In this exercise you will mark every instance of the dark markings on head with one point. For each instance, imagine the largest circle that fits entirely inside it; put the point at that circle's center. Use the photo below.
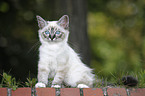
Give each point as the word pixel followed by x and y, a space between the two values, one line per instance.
pixel 52 30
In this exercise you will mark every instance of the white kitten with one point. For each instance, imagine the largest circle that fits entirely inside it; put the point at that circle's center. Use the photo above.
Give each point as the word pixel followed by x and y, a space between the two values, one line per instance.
pixel 57 59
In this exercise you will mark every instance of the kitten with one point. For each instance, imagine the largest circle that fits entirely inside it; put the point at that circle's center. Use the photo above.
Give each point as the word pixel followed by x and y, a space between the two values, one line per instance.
pixel 57 59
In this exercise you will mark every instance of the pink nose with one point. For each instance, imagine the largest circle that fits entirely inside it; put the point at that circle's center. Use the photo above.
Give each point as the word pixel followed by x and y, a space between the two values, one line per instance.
pixel 52 36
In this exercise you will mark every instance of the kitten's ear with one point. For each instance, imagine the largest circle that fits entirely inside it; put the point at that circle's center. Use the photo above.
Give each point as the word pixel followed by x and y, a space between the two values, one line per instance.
pixel 41 22
pixel 64 22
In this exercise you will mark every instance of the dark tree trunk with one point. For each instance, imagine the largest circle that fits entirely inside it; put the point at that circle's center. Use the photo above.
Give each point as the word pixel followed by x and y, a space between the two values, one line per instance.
pixel 77 11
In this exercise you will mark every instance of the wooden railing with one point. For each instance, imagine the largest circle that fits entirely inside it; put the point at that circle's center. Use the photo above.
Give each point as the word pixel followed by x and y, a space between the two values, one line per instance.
pixel 72 92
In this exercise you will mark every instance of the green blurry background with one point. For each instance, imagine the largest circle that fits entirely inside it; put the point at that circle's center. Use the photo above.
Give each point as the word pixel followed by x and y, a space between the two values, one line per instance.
pixel 108 34
pixel 117 35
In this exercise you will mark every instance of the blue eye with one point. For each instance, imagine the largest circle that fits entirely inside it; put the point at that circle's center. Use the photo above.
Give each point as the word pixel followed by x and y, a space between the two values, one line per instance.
pixel 46 32
pixel 57 32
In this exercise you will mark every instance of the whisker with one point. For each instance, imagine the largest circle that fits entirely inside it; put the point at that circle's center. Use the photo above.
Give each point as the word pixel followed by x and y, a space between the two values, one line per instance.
pixel 35 47
pixel 74 46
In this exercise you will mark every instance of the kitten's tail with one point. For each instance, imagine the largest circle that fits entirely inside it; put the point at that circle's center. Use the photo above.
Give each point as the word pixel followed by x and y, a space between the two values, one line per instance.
pixel 129 81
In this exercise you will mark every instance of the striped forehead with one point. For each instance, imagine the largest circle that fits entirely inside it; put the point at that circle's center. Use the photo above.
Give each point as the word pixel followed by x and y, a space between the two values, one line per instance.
pixel 52 29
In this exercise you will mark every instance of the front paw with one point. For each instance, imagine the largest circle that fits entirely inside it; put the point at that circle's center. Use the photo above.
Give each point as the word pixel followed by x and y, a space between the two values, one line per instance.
pixel 40 85
pixel 55 86
pixel 82 86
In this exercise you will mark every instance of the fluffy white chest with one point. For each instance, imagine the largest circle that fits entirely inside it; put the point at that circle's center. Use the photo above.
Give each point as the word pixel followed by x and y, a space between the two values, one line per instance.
pixel 53 57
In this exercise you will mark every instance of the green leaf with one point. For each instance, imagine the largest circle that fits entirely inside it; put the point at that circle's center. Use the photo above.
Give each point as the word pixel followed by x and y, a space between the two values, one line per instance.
pixel 14 88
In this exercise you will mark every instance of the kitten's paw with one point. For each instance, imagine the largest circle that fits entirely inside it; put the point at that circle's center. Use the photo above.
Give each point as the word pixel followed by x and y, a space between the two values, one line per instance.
pixel 55 86
pixel 39 85
pixel 82 86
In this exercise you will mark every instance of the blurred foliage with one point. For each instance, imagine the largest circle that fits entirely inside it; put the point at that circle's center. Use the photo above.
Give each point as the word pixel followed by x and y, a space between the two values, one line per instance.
pixel 117 36
pixel 141 78
pixel 9 81
pixel 31 81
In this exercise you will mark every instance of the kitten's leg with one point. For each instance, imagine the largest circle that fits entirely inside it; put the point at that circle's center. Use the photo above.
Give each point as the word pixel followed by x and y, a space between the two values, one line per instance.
pixel 58 80
pixel 43 73
pixel 59 77
pixel 80 77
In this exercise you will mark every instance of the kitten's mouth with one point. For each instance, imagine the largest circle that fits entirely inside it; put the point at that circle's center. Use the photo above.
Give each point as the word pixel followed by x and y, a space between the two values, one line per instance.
pixel 51 39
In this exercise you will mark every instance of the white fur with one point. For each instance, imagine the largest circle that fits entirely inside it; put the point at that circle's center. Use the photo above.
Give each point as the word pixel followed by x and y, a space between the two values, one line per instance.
pixel 59 61
pixel 40 85
pixel 55 86
pixel 82 86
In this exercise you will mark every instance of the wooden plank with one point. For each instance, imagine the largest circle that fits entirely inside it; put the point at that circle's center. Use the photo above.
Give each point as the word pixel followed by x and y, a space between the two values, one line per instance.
pixel 92 92
pixel 3 91
pixel 137 92
pixel 116 92
pixel 69 92
pixel 22 92
pixel 45 91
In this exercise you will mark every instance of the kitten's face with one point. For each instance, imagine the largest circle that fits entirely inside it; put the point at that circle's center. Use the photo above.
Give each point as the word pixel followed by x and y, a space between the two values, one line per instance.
pixel 53 31
pixel 53 34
